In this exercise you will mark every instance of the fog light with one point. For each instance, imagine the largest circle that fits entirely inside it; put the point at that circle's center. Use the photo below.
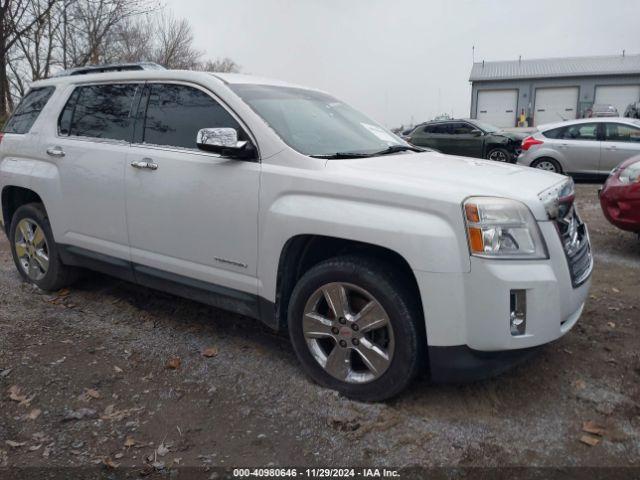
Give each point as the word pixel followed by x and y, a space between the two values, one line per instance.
pixel 518 316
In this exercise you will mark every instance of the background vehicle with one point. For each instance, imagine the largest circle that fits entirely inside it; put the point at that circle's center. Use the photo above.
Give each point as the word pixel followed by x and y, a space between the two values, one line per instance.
pixel 286 205
pixel 620 196
pixel 602 110
pixel 588 148
pixel 468 137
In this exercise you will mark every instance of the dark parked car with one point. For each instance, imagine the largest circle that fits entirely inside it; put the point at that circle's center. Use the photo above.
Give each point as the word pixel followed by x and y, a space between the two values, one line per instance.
pixel 469 138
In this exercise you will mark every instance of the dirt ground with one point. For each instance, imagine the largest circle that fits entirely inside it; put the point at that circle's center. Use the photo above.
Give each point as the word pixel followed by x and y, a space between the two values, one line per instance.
pixel 84 381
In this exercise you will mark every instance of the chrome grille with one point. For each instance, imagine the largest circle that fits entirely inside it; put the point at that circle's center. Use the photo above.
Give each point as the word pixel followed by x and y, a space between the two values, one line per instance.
pixel 575 242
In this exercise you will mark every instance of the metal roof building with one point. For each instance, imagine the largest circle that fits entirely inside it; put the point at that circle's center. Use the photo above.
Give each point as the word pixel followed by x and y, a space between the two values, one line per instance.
pixel 552 89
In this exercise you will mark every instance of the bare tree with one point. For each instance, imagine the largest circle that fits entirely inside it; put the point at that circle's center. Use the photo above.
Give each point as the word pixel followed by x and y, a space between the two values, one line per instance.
pixel 173 45
pixel 225 65
pixel 17 19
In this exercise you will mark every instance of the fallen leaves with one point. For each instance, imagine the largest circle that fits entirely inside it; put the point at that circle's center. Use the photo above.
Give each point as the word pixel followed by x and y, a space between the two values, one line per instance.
pixel 129 442
pixel 14 444
pixel 173 363
pixel 162 450
pixel 89 394
pixel 590 440
pixel 594 433
pixel 210 352
pixel 594 428
pixel 107 462
pixel 16 395
pixel 117 369
pixel 110 413
pixel 33 414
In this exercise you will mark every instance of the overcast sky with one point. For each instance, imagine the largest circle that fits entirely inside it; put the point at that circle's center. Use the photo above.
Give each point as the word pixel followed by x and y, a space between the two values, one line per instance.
pixel 399 60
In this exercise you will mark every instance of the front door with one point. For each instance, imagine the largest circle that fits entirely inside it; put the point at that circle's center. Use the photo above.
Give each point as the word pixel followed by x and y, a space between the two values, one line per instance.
pixel 621 141
pixel 193 215
pixel 465 139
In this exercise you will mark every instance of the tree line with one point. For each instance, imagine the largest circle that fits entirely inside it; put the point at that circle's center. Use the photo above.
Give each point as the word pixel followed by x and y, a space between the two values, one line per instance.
pixel 40 37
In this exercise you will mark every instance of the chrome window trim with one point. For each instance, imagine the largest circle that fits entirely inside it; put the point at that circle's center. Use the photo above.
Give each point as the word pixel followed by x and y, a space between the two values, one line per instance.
pixel 166 148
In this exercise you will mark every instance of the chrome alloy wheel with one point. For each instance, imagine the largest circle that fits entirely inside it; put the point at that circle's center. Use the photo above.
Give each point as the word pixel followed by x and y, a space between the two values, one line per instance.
pixel 32 249
pixel 547 165
pixel 348 333
pixel 498 156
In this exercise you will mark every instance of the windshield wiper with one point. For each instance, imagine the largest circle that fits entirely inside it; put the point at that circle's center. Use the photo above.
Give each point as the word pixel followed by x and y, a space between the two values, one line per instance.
pixel 339 155
pixel 397 149
pixel 389 150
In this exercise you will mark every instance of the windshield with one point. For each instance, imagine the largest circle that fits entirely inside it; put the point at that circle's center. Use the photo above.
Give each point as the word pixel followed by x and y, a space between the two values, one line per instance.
pixel 486 127
pixel 314 123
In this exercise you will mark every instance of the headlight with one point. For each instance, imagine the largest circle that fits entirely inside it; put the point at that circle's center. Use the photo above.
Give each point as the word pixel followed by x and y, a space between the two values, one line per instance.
pixel 502 228
pixel 630 174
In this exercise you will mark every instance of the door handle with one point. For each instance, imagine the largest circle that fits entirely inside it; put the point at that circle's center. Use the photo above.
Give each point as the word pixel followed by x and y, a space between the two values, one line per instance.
pixel 145 163
pixel 57 152
pixel 612 147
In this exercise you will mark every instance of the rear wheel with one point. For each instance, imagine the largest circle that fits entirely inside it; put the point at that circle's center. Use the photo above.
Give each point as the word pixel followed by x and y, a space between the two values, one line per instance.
pixel 34 250
pixel 499 155
pixel 548 164
pixel 356 329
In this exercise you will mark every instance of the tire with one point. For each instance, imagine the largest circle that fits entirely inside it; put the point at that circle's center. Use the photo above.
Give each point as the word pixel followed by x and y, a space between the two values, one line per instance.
pixel 548 164
pixel 402 339
pixel 29 256
pixel 499 155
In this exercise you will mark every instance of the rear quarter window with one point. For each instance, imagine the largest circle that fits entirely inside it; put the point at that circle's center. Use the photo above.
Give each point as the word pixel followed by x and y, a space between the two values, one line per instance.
pixel 28 110
pixel 555 132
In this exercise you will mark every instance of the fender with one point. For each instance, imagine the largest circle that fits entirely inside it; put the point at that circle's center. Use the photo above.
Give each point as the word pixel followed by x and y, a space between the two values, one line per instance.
pixel 427 241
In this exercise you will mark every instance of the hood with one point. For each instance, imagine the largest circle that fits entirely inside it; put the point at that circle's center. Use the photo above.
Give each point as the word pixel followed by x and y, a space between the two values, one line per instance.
pixel 449 178
pixel 515 136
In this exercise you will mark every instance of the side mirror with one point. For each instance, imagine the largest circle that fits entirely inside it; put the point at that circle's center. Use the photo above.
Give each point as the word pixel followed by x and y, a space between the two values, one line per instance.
pixel 476 133
pixel 221 140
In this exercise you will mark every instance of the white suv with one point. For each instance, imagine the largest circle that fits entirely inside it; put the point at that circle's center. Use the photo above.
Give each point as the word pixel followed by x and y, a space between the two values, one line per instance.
pixel 284 204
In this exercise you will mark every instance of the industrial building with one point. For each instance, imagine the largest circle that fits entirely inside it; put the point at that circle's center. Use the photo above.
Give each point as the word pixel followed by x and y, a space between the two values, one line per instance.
pixel 552 89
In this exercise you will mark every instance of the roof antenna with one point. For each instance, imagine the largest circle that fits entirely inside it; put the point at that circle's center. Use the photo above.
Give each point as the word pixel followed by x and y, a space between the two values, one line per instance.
pixel 482 63
pixel 519 58
pixel 473 53
pixel 624 52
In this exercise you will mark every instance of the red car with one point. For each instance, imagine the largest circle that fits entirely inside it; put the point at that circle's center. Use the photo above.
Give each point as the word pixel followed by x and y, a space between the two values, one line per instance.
pixel 620 196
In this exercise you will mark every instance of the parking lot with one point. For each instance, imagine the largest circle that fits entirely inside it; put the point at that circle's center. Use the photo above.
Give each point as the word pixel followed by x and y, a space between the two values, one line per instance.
pixel 115 374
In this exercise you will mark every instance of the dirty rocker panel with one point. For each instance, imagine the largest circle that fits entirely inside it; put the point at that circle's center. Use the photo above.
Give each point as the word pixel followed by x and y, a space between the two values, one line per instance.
pixel 217 296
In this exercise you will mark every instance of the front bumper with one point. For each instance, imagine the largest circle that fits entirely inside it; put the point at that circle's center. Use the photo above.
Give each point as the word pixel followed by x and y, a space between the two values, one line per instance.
pixel 461 364
pixel 473 309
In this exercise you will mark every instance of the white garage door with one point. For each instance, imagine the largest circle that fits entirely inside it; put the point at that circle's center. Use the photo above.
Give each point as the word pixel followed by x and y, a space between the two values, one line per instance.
pixel 498 107
pixel 619 96
pixel 555 104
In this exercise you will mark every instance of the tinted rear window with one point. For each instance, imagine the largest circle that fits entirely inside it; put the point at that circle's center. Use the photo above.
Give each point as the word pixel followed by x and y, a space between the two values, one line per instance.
pixel 27 112
pixel 99 111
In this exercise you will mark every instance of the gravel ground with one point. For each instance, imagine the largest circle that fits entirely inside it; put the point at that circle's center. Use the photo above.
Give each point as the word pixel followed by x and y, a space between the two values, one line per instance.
pixel 84 381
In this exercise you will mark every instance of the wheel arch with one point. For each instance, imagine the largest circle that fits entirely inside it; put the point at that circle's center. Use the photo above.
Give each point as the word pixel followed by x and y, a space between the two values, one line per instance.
pixel 12 198
pixel 302 252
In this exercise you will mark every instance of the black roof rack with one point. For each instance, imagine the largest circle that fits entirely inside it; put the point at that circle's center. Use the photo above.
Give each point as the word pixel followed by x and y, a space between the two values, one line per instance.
pixel 114 67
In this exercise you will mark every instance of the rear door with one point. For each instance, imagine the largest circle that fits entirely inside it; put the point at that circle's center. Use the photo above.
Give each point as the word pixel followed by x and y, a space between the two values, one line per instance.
pixel 621 141
pixel 89 149
pixel 428 136
pixel 193 218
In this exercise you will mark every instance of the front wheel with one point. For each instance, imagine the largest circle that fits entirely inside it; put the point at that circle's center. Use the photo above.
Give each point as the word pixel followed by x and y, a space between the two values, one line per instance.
pixel 499 155
pixel 356 328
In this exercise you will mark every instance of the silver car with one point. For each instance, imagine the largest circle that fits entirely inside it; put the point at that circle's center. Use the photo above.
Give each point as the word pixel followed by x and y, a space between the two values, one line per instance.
pixel 589 147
